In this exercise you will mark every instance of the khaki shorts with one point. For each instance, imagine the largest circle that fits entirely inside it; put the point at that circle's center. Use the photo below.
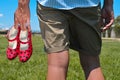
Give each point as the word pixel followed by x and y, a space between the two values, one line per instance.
pixel 78 29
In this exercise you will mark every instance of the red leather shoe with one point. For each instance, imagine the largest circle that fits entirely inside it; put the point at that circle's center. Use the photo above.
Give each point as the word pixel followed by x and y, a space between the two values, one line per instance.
pixel 24 55
pixel 12 53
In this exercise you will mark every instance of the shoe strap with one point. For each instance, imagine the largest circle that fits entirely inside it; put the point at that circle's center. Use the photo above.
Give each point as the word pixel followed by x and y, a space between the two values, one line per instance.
pixel 10 40
pixel 28 39
pixel 24 42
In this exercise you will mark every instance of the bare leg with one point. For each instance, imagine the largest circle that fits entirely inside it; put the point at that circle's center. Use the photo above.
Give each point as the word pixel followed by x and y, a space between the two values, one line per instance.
pixel 91 67
pixel 58 65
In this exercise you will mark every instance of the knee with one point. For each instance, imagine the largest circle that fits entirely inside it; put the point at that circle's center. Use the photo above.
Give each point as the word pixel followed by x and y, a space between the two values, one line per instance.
pixel 59 60
pixel 58 64
pixel 91 67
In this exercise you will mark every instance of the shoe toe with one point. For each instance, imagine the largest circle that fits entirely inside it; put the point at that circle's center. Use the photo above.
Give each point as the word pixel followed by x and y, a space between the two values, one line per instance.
pixel 11 54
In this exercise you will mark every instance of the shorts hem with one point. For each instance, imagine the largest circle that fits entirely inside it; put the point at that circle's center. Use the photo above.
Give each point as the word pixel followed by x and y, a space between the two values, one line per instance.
pixel 56 49
pixel 87 53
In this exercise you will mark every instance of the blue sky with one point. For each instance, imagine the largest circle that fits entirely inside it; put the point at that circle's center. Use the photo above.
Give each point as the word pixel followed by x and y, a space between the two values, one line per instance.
pixel 8 7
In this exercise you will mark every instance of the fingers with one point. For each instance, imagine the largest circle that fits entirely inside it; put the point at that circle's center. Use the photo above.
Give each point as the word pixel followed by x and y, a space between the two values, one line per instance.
pixel 106 23
pixel 16 22
pixel 28 25
pixel 29 28
pixel 23 22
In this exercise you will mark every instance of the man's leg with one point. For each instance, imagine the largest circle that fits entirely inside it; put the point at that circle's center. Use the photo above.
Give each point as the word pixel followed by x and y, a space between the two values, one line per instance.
pixel 91 67
pixel 58 65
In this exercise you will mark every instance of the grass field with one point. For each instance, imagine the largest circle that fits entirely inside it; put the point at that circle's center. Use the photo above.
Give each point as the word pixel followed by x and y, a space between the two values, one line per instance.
pixel 35 68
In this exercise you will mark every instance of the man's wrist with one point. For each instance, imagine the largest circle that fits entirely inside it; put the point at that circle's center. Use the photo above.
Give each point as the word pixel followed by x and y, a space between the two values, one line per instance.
pixel 108 3
pixel 23 4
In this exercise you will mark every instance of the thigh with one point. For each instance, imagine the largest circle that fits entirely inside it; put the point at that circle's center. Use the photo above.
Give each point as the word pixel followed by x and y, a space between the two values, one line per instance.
pixel 89 62
pixel 54 29
pixel 85 35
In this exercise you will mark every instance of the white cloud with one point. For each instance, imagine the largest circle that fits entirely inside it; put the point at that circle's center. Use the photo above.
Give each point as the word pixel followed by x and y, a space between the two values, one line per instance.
pixel 1 15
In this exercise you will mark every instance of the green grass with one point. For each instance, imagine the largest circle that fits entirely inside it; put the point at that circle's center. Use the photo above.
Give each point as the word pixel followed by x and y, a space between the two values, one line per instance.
pixel 36 67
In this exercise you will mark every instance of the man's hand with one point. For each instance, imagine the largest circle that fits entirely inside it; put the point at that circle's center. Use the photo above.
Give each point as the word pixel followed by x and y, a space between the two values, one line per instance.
pixel 22 15
pixel 107 15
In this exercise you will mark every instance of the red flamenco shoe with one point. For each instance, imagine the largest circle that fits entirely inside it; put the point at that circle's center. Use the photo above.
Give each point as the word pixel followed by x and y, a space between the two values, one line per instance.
pixel 24 55
pixel 12 53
